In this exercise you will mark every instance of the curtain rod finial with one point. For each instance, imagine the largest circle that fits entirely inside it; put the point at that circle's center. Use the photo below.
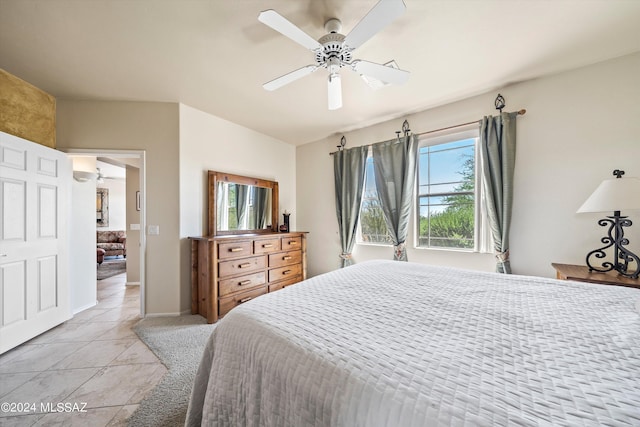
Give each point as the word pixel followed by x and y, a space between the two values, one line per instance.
pixel 500 103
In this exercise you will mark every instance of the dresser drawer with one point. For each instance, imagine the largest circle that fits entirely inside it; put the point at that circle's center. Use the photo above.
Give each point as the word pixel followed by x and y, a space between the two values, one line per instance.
pixel 284 283
pixel 284 272
pixel 285 258
pixel 264 246
pixel 234 249
pixel 241 266
pixel 291 243
pixel 241 283
pixel 235 300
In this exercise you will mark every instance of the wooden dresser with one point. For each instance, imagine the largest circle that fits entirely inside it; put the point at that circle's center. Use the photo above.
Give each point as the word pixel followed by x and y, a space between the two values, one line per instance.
pixel 229 270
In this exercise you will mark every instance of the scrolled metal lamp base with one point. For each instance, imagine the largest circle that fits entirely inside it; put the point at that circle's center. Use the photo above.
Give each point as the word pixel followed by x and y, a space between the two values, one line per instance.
pixel 615 238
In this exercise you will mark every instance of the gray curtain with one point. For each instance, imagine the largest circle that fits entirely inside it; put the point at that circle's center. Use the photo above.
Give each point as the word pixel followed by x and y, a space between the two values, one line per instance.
pixel 260 202
pixel 498 151
pixel 242 199
pixel 394 165
pixel 348 170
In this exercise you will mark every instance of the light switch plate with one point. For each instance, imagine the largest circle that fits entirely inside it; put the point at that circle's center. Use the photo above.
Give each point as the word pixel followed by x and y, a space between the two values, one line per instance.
pixel 134 226
pixel 153 230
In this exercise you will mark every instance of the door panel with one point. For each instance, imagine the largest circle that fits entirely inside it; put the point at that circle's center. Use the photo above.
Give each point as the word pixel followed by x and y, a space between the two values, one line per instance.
pixel 47 283
pixel 14 297
pixel 35 184
pixel 47 211
pixel 13 220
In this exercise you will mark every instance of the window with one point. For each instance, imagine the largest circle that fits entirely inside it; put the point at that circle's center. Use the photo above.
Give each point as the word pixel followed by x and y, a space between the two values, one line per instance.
pixel 373 228
pixel 448 212
pixel 448 197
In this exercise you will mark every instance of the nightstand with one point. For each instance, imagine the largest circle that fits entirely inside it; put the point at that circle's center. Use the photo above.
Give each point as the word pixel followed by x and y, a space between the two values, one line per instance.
pixel 581 273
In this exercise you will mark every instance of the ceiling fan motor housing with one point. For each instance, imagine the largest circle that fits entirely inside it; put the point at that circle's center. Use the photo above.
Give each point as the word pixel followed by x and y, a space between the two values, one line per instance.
pixel 333 49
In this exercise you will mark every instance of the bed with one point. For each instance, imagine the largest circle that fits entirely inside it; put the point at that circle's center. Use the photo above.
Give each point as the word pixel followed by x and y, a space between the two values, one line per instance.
pixel 386 343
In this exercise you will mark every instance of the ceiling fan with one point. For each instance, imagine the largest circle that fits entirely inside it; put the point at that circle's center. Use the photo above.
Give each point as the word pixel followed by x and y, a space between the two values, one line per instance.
pixel 101 177
pixel 333 51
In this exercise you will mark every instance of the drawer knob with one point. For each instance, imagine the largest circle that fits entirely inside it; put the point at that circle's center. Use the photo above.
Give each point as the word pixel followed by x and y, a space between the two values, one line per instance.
pixel 244 265
pixel 293 242
pixel 236 250
pixel 286 272
pixel 245 300
pixel 244 282
pixel 267 245
pixel 286 258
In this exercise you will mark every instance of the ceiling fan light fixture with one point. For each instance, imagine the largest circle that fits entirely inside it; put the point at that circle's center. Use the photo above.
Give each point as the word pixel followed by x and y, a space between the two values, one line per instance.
pixel 335 91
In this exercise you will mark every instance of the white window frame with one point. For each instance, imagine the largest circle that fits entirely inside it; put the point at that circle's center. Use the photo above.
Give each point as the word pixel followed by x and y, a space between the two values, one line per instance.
pixel 482 234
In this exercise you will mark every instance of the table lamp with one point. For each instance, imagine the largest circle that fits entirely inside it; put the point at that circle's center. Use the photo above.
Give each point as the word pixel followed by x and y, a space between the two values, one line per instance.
pixel 615 195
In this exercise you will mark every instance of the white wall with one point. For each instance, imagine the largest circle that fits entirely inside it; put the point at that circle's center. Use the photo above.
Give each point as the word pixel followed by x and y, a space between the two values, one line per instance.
pixel 211 143
pixel 152 127
pixel 580 126
pixel 82 250
pixel 117 204
pixel 181 144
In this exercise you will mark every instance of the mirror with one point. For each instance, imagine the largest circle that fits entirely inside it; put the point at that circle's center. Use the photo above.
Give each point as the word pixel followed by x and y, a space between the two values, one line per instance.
pixel 102 207
pixel 240 204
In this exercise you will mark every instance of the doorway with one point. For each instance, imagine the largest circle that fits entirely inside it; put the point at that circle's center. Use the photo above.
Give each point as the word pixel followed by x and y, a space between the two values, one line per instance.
pixel 132 160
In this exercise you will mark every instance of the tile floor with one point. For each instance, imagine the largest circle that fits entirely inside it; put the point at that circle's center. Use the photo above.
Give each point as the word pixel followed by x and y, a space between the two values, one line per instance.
pixel 93 362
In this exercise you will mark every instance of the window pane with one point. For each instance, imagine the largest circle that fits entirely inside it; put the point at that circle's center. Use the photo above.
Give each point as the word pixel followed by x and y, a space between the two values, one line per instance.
pixel 446 195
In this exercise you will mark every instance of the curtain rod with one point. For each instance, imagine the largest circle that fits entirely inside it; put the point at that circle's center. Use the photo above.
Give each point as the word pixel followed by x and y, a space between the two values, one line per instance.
pixel 520 113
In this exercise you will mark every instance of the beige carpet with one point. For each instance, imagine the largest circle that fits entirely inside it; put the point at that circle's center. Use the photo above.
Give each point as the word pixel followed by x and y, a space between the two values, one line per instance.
pixel 178 342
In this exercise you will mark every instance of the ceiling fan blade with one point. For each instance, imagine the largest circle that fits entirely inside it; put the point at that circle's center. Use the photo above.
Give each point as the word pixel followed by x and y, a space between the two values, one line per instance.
pixel 335 91
pixel 290 77
pixel 279 23
pixel 380 72
pixel 382 14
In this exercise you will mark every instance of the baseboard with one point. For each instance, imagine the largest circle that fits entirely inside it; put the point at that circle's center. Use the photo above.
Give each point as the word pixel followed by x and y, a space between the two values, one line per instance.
pixel 174 314
pixel 84 308
pixel 162 315
pixel 132 284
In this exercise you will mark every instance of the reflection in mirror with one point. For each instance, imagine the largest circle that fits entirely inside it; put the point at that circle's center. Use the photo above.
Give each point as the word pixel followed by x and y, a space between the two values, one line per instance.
pixel 243 207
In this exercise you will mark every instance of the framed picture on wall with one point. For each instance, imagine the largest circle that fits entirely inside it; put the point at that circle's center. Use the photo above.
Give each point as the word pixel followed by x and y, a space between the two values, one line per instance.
pixel 102 207
pixel 138 200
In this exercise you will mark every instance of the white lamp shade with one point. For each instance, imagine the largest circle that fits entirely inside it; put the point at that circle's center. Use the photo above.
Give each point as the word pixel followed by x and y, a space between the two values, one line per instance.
pixel 617 194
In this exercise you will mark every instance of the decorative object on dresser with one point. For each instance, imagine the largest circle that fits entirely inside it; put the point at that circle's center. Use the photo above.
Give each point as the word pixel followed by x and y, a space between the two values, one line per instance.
pixel 244 256
pixel 285 226
pixel 615 195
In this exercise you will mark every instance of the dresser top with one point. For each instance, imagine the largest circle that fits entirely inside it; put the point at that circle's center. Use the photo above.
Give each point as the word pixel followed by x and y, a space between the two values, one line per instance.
pixel 267 235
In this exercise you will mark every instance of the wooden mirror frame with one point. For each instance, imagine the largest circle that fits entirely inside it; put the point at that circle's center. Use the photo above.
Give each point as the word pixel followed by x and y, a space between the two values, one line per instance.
pixel 215 177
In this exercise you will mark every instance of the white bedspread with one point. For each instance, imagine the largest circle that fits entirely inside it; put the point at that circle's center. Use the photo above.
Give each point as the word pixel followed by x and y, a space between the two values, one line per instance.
pixel 401 344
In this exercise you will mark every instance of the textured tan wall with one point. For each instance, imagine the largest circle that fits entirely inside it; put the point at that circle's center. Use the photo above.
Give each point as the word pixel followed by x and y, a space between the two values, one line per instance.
pixel 26 111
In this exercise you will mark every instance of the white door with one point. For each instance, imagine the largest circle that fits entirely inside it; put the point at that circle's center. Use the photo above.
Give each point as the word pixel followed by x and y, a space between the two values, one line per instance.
pixel 35 183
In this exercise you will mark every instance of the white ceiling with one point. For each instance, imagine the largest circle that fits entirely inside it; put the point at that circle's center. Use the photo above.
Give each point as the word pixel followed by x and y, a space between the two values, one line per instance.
pixel 214 55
